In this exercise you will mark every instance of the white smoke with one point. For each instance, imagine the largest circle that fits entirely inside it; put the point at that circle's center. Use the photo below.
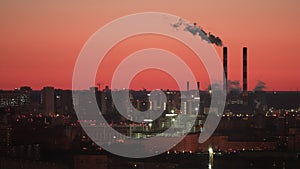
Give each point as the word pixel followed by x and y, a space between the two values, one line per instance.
pixel 196 30
pixel 260 86
pixel 234 86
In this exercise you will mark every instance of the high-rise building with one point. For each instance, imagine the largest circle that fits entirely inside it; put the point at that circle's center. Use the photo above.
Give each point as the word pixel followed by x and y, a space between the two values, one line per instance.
pixel 16 98
pixel 5 135
pixel 157 102
pixel 63 102
pixel 25 95
pixel 193 106
pixel 47 100
pixel 106 101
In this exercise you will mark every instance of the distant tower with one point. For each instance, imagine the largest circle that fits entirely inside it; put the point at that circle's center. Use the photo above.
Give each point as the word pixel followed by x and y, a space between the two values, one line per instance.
pixel 47 100
pixel 188 86
pixel 245 85
pixel 225 67
pixel 198 86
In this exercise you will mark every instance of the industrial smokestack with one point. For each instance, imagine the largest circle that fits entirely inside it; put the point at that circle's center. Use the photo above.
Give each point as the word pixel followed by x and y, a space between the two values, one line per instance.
pixel 225 67
pixel 198 86
pixel 188 86
pixel 245 83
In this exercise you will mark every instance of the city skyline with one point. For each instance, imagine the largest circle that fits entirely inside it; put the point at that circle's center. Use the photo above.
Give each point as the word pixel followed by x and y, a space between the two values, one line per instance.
pixel 41 41
pixel 149 84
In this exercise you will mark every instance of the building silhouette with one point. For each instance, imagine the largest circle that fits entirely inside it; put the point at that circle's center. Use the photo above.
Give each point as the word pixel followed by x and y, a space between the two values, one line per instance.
pixel 47 100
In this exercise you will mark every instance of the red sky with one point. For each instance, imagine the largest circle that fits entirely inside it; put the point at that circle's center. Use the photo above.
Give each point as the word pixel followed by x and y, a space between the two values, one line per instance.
pixel 40 40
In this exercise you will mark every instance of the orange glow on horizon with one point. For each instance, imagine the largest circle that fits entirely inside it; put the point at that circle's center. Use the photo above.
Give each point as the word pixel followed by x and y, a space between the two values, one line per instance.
pixel 40 41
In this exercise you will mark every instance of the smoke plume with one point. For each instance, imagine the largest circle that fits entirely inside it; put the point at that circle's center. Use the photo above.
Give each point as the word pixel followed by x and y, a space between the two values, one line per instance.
pixel 260 86
pixel 234 86
pixel 197 31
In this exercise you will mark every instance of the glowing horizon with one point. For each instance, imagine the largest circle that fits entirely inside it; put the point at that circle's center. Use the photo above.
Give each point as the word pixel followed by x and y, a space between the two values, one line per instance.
pixel 40 41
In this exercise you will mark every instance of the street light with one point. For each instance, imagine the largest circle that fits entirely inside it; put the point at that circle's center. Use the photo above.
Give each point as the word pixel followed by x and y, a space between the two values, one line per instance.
pixel 211 156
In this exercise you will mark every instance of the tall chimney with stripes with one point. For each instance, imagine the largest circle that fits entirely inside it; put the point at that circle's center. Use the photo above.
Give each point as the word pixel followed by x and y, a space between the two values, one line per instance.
pixel 245 80
pixel 225 66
